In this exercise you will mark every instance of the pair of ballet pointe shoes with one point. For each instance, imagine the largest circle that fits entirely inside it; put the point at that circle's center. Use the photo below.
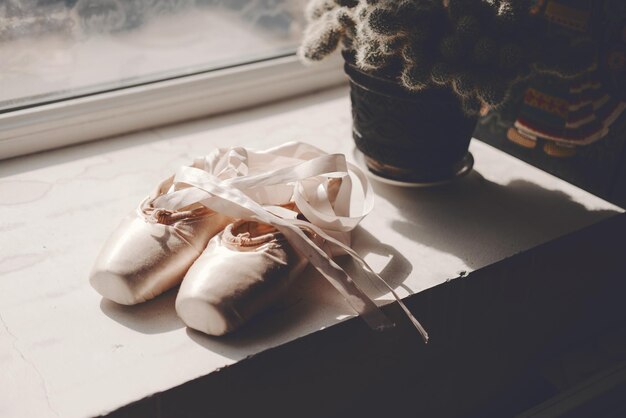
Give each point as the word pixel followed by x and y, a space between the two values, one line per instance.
pixel 228 270
pixel 235 229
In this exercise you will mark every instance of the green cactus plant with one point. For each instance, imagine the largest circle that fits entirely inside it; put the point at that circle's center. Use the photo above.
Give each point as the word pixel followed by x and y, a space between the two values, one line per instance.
pixel 478 48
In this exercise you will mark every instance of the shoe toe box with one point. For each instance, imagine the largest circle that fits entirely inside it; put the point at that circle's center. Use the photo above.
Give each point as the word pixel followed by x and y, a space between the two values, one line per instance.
pixel 116 287
pixel 140 261
pixel 202 315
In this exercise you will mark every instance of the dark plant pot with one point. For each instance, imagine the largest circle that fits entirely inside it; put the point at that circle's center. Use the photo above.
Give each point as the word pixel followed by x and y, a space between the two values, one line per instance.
pixel 418 137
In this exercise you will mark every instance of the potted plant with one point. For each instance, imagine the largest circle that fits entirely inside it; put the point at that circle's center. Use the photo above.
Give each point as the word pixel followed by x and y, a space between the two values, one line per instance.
pixel 422 70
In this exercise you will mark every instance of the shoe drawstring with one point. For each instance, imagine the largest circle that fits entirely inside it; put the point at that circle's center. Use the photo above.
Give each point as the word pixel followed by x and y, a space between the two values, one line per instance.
pixel 167 217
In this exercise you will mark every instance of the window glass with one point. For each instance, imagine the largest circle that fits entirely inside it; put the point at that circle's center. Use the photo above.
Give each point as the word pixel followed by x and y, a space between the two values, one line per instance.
pixel 55 49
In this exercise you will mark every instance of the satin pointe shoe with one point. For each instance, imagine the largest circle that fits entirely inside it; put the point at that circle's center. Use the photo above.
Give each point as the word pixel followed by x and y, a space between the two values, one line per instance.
pixel 243 271
pixel 151 250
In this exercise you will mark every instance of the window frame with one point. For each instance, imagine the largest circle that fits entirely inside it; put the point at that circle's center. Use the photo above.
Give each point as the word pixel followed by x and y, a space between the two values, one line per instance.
pixel 135 108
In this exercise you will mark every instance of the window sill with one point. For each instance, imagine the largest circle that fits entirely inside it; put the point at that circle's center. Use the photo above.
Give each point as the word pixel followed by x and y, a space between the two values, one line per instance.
pixel 76 355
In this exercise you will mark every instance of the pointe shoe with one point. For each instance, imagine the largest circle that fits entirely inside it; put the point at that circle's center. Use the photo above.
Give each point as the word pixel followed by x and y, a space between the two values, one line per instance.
pixel 243 271
pixel 151 250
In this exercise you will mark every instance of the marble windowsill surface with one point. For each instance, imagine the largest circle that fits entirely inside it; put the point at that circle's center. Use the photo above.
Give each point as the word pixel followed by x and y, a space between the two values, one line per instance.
pixel 66 352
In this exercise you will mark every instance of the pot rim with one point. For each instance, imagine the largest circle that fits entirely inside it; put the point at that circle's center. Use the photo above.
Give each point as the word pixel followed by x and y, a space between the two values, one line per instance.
pixel 392 87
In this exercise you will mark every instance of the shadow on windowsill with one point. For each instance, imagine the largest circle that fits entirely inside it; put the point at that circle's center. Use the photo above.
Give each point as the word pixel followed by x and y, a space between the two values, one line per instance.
pixel 482 222
pixel 153 317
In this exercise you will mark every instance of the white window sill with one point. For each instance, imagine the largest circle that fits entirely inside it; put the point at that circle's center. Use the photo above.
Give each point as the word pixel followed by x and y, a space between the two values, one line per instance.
pixel 66 352
pixel 131 109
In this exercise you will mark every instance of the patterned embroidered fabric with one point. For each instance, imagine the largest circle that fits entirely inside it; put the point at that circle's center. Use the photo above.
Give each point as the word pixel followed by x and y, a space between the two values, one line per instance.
pixel 563 114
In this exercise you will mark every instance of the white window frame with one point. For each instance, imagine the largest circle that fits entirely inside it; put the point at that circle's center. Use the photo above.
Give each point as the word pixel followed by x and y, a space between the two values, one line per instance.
pixel 130 109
